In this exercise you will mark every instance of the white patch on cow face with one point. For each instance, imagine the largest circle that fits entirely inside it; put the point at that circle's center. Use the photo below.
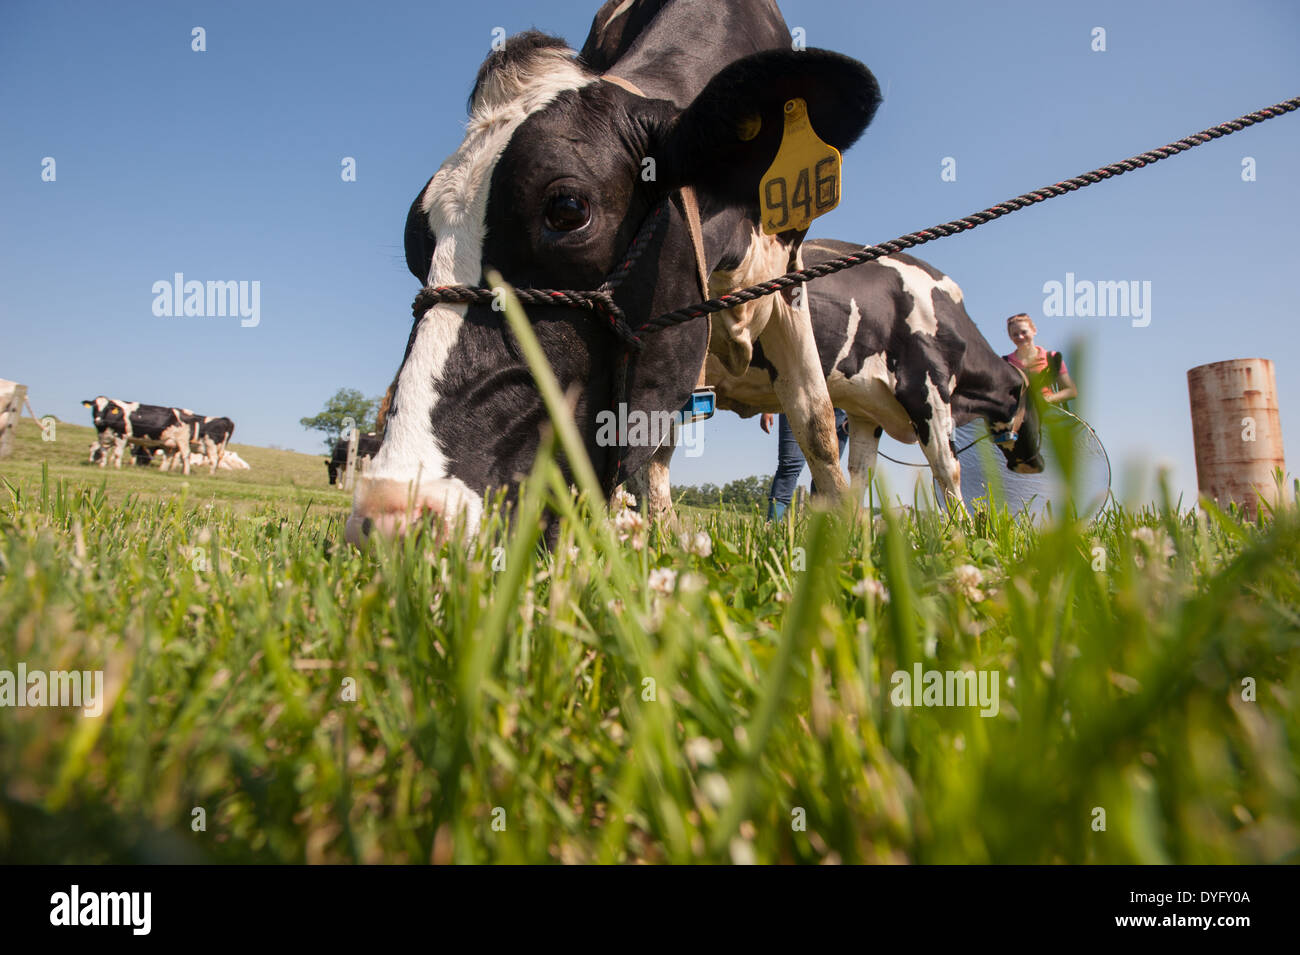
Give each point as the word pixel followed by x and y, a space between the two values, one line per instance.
pixel 920 286
pixel 455 202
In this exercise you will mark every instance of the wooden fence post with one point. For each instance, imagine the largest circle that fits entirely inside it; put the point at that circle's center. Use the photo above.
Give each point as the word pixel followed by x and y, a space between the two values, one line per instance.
pixel 12 396
pixel 349 469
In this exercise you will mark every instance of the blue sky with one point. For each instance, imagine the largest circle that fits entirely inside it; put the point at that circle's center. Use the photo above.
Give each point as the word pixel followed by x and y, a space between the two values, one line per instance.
pixel 225 165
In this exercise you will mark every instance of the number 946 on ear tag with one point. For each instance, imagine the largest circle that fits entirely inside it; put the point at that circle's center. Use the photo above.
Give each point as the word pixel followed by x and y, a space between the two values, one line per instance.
pixel 803 181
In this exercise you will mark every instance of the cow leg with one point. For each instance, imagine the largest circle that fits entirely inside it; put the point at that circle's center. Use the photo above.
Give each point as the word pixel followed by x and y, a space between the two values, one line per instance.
pixel 651 483
pixel 659 490
pixel 928 405
pixel 801 391
pixel 864 442
pixel 119 446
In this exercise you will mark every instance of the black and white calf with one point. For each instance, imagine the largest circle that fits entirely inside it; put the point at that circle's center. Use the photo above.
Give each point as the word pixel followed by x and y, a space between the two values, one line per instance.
pixel 367 447
pixel 565 158
pixel 123 423
pixel 901 355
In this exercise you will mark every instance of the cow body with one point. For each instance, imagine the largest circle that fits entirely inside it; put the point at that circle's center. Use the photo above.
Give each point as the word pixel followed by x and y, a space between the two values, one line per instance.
pixel 367 447
pixel 902 357
pixel 550 187
pixel 208 435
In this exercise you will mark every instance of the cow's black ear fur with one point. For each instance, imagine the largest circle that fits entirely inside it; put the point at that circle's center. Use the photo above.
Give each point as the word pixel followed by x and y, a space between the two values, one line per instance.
pixel 419 241
pixel 706 147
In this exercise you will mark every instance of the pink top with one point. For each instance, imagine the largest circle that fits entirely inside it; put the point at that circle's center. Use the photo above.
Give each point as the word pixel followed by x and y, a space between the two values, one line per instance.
pixel 1038 366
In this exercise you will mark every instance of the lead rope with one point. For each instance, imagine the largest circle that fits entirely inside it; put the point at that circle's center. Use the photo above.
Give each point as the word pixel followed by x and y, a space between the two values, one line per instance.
pixel 871 252
pixel 601 299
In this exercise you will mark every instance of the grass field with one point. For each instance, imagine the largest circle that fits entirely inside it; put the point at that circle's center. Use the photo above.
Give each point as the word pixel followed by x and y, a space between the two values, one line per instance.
pixel 273 695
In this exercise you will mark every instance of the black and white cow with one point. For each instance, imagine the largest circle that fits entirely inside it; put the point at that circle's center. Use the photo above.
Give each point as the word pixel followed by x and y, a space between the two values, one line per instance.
pixel 209 436
pixel 124 423
pixel 901 355
pixel 549 187
pixel 367 447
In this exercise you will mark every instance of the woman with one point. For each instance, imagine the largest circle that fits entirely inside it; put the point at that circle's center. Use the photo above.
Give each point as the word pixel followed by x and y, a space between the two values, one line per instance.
pixel 1038 363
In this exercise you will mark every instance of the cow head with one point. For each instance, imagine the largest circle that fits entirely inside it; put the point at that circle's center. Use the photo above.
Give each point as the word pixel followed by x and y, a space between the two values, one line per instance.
pixel 1023 453
pixel 556 176
pixel 107 413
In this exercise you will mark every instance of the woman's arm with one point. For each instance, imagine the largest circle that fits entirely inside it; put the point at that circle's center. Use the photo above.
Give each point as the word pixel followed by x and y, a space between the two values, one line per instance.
pixel 1067 390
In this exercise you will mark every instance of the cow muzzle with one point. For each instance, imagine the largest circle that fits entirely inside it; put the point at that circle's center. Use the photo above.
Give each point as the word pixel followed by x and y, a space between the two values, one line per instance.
pixel 1033 465
pixel 388 508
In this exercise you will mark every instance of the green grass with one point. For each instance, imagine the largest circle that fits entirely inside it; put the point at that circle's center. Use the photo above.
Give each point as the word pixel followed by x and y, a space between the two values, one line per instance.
pixel 501 702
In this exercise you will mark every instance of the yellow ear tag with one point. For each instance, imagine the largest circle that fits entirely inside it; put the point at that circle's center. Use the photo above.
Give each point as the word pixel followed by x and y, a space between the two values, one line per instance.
pixel 803 181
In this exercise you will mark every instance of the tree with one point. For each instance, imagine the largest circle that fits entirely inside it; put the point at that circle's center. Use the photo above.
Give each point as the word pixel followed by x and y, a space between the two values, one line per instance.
pixel 742 493
pixel 345 403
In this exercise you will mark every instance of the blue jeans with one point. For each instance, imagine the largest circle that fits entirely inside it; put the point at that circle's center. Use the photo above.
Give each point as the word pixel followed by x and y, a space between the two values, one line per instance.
pixel 790 462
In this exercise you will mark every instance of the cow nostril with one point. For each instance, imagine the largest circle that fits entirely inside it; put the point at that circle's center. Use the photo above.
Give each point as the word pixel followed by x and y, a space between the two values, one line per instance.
pixel 366 526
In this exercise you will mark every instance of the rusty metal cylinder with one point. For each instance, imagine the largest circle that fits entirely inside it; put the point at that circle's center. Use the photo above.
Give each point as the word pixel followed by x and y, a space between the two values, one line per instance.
pixel 1237 432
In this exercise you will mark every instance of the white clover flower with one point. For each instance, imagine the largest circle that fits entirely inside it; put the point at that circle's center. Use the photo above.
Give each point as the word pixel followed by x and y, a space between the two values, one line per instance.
pixel 662 579
pixel 701 544
pixel 692 582
pixel 716 789
pixel 628 524
pixel 871 588
pixel 968 578
pixel 699 751
pixel 623 500
pixel 1154 540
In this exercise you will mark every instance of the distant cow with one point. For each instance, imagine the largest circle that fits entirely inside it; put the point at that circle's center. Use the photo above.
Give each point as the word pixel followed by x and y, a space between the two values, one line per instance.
pixel 122 423
pixel 208 435
pixel 367 447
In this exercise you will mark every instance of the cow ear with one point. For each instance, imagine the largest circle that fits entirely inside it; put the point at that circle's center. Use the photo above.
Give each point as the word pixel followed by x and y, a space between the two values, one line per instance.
pixel 728 137
pixel 87 404
pixel 419 239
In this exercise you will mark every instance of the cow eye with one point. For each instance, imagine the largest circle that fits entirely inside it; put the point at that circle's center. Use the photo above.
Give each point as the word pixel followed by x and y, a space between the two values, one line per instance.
pixel 567 213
